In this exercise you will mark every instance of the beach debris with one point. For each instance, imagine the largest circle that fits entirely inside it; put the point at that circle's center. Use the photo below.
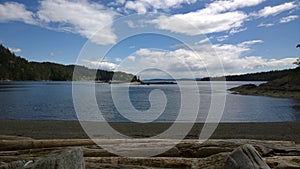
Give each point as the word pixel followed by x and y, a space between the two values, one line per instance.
pixel 33 144
pixel 283 162
pixel 246 157
pixel 189 153
pixel 13 165
pixel 70 158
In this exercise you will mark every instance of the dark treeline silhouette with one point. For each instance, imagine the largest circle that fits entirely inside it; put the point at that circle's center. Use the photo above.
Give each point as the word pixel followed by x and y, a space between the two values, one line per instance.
pixel 15 68
pixel 297 62
pixel 261 76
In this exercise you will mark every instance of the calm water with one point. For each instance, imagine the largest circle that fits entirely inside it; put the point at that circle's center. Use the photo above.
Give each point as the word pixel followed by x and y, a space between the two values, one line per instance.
pixel 53 101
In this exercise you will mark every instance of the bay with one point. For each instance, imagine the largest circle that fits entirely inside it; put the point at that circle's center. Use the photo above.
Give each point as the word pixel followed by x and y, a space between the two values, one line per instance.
pixel 53 101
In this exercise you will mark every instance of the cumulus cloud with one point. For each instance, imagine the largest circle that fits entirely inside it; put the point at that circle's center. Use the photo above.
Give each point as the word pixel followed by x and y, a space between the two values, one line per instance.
pixel 217 16
pixel 229 5
pixel 143 6
pixel 13 11
pixel 275 10
pixel 236 58
pixel 15 50
pixel 131 58
pixel 187 63
pixel 118 59
pixel 288 18
pixel 104 65
pixel 196 23
pixel 81 17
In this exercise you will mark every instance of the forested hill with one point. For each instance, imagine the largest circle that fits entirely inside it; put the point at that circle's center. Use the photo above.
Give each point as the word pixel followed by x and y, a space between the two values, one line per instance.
pixel 287 86
pixel 15 68
pixel 261 76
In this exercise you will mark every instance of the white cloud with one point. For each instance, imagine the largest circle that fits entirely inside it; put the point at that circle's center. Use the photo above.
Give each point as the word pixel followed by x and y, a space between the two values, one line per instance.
pixel 222 38
pixel 195 23
pixel 13 11
pixel 275 10
pixel 138 6
pixel 265 25
pixel 281 62
pixel 288 18
pixel 104 65
pixel 117 2
pixel 250 42
pixel 130 24
pixel 143 6
pixel 217 16
pixel 229 5
pixel 51 54
pixel 118 59
pixel 202 41
pixel 15 50
pixel 237 30
pixel 131 58
pixel 235 59
pixel 80 17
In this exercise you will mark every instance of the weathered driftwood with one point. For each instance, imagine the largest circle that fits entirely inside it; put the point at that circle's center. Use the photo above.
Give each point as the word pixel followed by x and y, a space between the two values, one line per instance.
pixel 187 154
pixel 246 157
pixel 120 166
pixel 283 162
pixel 218 161
pixel 6 145
pixel 5 137
pixel 71 158
pixel 186 148
pixel 161 162
pixel 13 165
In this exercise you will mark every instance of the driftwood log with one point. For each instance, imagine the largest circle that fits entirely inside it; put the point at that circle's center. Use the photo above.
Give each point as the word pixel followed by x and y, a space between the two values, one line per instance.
pixel 246 157
pixel 187 154
pixel 70 158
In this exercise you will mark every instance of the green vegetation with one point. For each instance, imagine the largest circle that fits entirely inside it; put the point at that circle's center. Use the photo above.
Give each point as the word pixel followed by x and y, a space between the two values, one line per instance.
pixel 285 83
pixel 261 76
pixel 287 86
pixel 297 62
pixel 15 68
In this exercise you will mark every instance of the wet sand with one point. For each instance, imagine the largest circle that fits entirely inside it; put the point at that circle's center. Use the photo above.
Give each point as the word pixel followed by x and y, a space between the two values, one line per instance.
pixel 72 130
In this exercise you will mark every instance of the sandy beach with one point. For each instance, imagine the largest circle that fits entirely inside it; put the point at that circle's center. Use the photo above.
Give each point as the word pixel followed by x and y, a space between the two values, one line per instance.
pixel 73 130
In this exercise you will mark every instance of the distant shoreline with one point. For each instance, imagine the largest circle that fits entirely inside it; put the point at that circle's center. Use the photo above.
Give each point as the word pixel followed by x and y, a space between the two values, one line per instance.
pixel 271 93
pixel 72 130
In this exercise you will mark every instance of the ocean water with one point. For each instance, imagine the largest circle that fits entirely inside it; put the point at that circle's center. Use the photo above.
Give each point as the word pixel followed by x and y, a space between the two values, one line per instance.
pixel 139 103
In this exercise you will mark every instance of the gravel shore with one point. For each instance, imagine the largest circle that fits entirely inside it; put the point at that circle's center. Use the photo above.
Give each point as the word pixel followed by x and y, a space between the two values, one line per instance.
pixel 72 130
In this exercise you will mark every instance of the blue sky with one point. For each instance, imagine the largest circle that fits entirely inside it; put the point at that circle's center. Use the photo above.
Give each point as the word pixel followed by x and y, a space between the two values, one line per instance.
pixel 174 36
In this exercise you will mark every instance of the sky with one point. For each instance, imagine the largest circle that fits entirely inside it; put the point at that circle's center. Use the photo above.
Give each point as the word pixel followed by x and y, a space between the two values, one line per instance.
pixel 181 38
